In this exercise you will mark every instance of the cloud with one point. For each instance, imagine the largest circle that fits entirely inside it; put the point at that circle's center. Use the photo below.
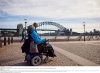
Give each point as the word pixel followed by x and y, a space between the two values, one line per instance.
pixel 55 9
pixel 70 13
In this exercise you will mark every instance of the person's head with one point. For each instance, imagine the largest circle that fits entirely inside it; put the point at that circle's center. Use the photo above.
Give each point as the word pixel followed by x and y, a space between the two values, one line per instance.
pixel 35 24
pixel 30 28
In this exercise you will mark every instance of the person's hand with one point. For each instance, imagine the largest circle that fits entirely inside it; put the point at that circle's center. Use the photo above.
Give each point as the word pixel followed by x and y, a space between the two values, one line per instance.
pixel 47 40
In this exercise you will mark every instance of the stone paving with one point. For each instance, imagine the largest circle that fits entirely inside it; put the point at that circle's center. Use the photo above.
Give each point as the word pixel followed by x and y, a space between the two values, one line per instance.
pixel 87 50
pixel 11 55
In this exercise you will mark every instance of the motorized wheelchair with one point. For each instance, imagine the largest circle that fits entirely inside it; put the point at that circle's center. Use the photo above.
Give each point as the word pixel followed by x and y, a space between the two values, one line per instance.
pixel 45 51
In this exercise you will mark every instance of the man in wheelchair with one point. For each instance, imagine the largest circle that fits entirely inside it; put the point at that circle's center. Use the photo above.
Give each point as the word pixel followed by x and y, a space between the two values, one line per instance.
pixel 35 46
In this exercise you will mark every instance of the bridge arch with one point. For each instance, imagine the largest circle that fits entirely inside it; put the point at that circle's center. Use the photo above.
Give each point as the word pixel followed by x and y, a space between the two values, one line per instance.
pixel 60 27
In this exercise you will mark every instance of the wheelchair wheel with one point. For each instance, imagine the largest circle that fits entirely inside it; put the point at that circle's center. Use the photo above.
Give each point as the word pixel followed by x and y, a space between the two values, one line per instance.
pixel 36 60
pixel 46 59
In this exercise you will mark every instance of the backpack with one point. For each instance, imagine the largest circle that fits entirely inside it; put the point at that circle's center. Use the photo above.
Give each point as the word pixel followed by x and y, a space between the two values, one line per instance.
pixel 26 46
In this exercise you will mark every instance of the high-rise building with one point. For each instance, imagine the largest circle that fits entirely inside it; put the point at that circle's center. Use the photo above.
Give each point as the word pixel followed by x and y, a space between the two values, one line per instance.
pixel 94 31
pixel 71 31
pixel 20 28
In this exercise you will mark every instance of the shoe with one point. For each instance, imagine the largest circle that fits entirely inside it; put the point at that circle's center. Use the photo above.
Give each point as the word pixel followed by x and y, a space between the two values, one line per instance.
pixel 54 55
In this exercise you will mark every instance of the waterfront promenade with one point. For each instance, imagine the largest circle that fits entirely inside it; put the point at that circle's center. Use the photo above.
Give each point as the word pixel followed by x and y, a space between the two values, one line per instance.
pixel 72 53
pixel 61 38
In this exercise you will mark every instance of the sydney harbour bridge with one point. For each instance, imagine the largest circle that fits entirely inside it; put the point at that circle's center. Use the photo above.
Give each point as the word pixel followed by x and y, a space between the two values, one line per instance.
pixel 53 26
pixel 45 26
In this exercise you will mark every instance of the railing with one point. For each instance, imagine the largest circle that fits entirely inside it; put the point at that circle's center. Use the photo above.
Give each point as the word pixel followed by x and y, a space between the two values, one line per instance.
pixel 75 38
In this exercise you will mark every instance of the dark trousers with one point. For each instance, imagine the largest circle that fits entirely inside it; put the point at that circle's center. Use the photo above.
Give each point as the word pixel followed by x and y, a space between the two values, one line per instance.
pixel 22 39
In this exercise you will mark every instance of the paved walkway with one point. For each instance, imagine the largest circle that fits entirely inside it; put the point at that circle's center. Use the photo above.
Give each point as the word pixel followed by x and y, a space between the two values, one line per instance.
pixel 75 58
pixel 68 54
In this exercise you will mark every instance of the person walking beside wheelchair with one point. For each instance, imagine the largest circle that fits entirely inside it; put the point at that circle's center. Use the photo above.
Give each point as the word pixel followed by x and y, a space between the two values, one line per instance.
pixel 23 36
pixel 35 25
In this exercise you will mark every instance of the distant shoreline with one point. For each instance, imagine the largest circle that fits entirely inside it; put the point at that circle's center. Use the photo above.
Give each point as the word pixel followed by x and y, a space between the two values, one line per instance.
pixel 60 38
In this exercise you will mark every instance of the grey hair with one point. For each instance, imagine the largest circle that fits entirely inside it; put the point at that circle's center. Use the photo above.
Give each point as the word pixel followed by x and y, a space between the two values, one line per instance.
pixel 30 28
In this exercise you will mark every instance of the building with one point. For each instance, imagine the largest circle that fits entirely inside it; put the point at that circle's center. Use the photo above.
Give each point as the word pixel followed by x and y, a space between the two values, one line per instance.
pixel 94 31
pixel 19 28
pixel 71 31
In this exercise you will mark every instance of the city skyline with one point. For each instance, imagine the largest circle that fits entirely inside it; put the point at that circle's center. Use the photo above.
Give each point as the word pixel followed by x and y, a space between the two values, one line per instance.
pixel 70 14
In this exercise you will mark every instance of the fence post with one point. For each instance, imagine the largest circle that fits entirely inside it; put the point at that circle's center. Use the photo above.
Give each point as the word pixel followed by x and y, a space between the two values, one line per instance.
pixel 80 38
pixel 4 41
pixel 12 38
pixel 8 40
pixel 55 38
pixel 68 38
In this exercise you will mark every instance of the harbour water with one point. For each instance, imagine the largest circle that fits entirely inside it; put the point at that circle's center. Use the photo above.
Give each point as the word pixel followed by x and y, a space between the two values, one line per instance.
pixel 47 37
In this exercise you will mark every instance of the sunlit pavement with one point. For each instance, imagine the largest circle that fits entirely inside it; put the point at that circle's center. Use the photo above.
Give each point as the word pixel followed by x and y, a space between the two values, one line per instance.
pixel 77 53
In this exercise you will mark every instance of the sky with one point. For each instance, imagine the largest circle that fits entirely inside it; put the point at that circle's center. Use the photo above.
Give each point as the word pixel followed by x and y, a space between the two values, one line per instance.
pixel 69 13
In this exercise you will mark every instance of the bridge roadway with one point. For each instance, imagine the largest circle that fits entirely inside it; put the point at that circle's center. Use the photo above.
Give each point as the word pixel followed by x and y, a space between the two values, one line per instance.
pixel 77 53
pixel 26 29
